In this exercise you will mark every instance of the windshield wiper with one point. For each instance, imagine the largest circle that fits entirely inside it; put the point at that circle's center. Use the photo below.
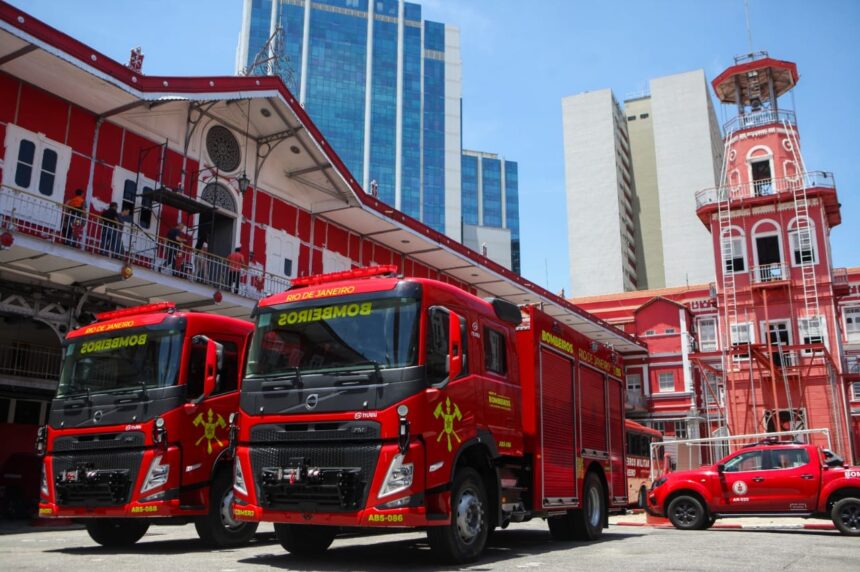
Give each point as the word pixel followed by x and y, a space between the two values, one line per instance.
pixel 355 375
pixel 275 382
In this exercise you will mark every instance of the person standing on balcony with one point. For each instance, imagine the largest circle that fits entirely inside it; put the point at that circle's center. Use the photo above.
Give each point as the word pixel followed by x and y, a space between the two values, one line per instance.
pixel 201 259
pixel 175 240
pixel 73 219
pixel 235 262
pixel 110 240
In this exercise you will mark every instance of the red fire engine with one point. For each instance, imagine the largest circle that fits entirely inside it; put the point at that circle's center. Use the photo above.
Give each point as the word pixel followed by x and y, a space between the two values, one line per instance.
pixel 375 401
pixel 138 429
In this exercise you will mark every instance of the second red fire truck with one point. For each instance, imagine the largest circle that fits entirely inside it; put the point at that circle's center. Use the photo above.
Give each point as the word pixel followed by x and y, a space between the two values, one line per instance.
pixel 138 430
pixel 374 401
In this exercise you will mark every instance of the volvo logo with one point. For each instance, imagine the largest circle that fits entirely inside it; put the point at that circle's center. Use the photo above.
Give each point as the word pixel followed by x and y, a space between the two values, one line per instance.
pixel 311 401
pixel 97 416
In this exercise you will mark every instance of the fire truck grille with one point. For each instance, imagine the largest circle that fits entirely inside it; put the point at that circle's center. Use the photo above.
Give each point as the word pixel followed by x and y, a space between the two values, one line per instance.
pixel 95 479
pixel 99 441
pixel 332 431
pixel 318 477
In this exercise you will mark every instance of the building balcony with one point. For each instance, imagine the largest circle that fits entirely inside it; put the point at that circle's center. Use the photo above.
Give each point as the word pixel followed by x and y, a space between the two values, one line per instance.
pixel 841 283
pixel 851 367
pixel 776 274
pixel 43 239
pixel 765 188
pixel 759 119
pixel 31 362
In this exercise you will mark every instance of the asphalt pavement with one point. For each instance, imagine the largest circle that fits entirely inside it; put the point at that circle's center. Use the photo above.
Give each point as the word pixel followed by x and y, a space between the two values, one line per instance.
pixel 527 545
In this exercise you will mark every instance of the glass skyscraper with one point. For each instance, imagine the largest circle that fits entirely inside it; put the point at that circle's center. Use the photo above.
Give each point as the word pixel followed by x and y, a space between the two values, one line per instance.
pixel 491 207
pixel 383 85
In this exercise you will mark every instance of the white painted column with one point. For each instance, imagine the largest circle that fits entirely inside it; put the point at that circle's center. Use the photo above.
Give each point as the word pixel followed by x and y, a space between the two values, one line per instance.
pixel 273 23
pixel 480 191
pixel 504 195
pixel 306 38
pixel 398 122
pixel 368 97
pixel 685 353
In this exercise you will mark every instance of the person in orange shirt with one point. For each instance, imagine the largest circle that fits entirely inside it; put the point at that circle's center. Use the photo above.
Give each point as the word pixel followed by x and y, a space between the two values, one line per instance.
pixel 236 261
pixel 73 218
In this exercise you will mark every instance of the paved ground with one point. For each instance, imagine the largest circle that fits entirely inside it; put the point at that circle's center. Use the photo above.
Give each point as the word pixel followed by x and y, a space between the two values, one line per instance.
pixel 630 548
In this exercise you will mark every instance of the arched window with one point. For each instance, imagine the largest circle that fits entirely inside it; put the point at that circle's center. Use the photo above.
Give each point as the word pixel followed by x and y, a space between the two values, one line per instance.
pixel 767 252
pixel 734 251
pixel 760 161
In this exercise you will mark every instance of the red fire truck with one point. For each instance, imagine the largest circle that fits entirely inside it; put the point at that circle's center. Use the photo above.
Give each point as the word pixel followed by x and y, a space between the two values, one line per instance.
pixel 639 463
pixel 138 429
pixel 375 401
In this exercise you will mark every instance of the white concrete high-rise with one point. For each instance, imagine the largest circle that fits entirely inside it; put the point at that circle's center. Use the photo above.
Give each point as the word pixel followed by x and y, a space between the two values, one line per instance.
pixel 660 149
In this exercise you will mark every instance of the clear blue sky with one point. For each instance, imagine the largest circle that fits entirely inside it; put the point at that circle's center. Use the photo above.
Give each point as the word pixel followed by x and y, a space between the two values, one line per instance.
pixel 520 57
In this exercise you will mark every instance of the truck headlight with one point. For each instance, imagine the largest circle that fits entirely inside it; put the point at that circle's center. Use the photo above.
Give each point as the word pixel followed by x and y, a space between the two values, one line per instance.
pixel 43 485
pixel 156 475
pixel 398 478
pixel 239 478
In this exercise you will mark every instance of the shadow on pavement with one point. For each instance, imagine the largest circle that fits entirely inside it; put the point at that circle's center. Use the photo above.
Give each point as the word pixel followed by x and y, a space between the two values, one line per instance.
pixel 415 553
pixel 151 545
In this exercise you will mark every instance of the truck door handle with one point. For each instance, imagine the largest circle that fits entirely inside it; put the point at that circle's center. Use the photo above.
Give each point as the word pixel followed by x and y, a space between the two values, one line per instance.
pixel 757 479
pixel 808 477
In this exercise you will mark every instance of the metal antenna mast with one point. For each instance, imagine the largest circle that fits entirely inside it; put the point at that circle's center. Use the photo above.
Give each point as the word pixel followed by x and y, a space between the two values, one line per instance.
pixel 749 28
pixel 271 60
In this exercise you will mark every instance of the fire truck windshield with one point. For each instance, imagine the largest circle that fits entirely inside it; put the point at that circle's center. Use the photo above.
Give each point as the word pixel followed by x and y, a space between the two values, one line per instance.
pixel 124 360
pixel 358 332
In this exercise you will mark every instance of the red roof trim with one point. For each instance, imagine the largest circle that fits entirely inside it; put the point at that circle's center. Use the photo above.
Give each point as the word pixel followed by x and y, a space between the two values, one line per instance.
pixel 754 65
pixel 218 84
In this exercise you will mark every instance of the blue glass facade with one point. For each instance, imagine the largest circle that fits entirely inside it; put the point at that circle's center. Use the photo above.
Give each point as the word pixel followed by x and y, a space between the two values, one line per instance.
pixel 261 17
pixel 512 211
pixel 492 191
pixel 383 109
pixel 469 189
pixel 434 126
pixel 410 155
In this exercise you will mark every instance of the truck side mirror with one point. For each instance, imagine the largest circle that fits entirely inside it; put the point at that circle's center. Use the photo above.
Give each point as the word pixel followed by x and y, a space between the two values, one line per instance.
pixel 211 366
pixel 455 346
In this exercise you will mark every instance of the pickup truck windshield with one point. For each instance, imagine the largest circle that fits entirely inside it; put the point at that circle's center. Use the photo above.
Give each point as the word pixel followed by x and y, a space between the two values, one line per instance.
pixel 125 360
pixel 356 334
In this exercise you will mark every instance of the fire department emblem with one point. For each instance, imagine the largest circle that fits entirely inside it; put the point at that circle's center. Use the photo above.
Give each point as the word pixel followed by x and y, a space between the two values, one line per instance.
pixel 448 416
pixel 740 488
pixel 210 424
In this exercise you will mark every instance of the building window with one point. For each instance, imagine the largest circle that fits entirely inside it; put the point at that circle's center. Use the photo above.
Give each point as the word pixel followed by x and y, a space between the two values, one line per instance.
pixel 780 337
pixel 634 383
pixel 40 164
pixel 811 332
pixel 643 116
pixel 666 381
pixel 734 254
pixel 708 335
pixel 631 118
pixel 138 205
pixel 802 243
pixel 761 177
pixel 495 359
pixel 649 332
pixel 659 426
pixel 852 322
pixel 742 335
pixel 855 389
pixel 670 330
pixel 680 429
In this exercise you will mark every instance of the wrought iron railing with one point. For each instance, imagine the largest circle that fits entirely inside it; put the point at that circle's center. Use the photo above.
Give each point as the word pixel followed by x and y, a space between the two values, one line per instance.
pixel 29 214
pixel 26 360
pixel 812 179
pixel 759 119
pixel 769 273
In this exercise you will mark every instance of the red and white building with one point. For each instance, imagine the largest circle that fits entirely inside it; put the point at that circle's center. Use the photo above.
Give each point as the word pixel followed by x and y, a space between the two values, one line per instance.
pixel 774 344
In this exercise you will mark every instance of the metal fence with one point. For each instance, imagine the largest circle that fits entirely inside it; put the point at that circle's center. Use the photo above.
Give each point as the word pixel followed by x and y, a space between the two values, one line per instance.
pixel 26 360
pixel 35 216
pixel 758 119
pixel 812 179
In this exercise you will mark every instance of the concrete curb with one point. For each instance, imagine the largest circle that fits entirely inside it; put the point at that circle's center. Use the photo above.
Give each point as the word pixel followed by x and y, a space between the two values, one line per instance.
pixel 736 526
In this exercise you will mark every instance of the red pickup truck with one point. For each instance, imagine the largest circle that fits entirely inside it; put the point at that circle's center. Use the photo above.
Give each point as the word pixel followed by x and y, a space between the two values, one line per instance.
pixel 770 478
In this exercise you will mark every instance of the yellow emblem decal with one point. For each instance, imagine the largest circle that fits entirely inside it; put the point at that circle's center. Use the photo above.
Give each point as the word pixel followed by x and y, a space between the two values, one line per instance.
pixel 209 427
pixel 448 416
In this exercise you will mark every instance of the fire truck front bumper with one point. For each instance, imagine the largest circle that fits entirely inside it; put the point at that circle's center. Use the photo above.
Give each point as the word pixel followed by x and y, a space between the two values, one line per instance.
pixel 157 509
pixel 408 517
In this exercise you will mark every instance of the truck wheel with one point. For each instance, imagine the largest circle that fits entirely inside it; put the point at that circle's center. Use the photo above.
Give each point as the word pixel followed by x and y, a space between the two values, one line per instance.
pixel 846 516
pixel 687 513
pixel 588 521
pixel 305 539
pixel 219 529
pixel 465 538
pixel 115 533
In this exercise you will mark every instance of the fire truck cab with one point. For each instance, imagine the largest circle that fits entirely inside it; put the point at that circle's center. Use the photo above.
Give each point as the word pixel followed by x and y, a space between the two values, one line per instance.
pixel 378 401
pixel 138 431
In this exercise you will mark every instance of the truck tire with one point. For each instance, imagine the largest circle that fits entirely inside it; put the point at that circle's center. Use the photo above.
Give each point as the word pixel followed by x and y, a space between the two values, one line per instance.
pixel 687 513
pixel 846 516
pixel 219 529
pixel 588 521
pixel 464 539
pixel 305 539
pixel 116 532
